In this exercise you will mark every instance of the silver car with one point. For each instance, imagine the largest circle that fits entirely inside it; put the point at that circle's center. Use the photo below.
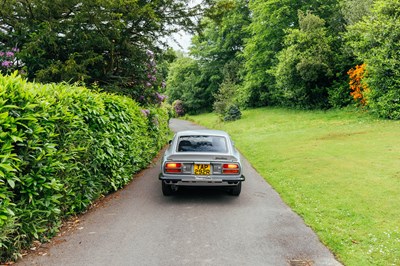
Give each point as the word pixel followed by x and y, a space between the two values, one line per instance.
pixel 201 158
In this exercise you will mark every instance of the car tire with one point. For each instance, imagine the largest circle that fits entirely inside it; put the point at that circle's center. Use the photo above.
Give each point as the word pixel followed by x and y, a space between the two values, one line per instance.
pixel 235 191
pixel 166 189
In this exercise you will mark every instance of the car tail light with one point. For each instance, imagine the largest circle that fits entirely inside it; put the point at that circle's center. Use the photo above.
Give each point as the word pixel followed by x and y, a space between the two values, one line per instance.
pixel 173 168
pixel 231 168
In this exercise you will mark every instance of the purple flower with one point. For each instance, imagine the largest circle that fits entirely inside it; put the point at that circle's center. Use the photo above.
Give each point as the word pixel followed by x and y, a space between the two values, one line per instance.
pixel 148 84
pixel 9 54
pixel 178 106
pixel 2 53
pixel 160 97
pixel 141 98
pixel 151 77
pixel 163 84
pixel 6 63
pixel 15 49
pixel 145 112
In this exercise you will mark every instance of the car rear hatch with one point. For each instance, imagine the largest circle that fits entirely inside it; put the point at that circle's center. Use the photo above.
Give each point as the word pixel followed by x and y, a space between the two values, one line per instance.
pixel 202 164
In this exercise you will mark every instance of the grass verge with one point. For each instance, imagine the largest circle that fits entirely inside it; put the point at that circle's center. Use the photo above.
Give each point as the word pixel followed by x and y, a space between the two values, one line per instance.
pixel 339 170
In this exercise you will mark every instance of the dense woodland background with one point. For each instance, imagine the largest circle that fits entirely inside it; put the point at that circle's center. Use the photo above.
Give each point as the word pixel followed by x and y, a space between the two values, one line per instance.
pixel 300 54
pixel 289 53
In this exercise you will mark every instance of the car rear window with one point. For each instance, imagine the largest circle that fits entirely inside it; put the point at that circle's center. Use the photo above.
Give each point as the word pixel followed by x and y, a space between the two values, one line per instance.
pixel 202 144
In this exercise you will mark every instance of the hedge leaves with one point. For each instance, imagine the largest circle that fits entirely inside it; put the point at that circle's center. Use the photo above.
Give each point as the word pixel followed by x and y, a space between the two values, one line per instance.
pixel 61 148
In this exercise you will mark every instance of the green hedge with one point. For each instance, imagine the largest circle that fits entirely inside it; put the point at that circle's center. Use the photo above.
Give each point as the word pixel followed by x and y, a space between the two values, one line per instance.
pixel 62 147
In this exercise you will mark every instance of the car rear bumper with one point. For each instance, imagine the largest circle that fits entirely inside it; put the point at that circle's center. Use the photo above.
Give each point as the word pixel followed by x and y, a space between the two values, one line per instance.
pixel 192 180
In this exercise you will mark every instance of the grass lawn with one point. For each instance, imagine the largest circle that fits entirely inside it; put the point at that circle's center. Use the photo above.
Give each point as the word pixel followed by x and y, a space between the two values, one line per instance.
pixel 339 170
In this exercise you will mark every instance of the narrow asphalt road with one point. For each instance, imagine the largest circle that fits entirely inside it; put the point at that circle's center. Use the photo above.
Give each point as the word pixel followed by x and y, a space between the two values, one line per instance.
pixel 139 226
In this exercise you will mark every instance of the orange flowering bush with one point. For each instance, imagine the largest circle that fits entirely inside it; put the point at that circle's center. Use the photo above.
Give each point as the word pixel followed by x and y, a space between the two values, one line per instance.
pixel 357 86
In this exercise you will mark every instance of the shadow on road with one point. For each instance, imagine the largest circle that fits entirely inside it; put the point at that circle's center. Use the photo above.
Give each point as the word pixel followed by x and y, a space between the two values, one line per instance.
pixel 206 195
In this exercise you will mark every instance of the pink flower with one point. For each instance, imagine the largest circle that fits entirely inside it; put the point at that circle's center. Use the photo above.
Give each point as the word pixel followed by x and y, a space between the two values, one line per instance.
pixel 9 54
pixel 145 112
pixel 160 97
pixel 6 63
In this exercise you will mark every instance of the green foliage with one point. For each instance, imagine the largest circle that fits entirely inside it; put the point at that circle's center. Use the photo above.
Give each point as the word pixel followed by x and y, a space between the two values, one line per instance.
pixel 354 10
pixel 338 94
pixel 178 108
pixel 282 58
pixel 266 30
pixel 293 53
pixel 183 83
pixel 216 50
pixel 91 41
pixel 222 34
pixel 386 105
pixel 304 69
pixel 225 104
pixel 62 147
pixel 272 20
pixel 375 41
pixel 233 113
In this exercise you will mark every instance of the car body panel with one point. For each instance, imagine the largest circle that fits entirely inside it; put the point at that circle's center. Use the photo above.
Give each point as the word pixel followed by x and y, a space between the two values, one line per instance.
pixel 214 160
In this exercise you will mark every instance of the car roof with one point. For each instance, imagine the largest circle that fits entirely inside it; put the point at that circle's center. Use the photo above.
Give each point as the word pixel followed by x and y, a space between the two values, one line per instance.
pixel 202 132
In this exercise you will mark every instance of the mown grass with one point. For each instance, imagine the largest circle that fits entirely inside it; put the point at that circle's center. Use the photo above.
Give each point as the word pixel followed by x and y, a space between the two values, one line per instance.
pixel 339 170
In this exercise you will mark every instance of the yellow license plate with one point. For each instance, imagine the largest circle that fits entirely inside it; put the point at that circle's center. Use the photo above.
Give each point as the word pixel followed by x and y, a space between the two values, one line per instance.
pixel 202 169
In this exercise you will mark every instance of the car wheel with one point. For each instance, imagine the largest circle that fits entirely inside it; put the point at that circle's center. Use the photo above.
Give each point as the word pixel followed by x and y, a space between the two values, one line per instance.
pixel 166 189
pixel 235 191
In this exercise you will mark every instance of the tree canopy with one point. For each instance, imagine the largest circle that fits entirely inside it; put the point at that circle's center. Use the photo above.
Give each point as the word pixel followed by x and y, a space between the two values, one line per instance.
pixel 93 41
pixel 260 52
pixel 375 41
pixel 301 53
pixel 217 49
pixel 304 69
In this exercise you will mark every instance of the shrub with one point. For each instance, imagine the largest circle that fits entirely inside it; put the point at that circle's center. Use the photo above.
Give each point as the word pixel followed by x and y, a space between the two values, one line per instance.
pixel 225 102
pixel 358 87
pixel 375 40
pixel 304 71
pixel 178 108
pixel 233 113
pixel 62 147
pixel 8 60
pixel 388 105
pixel 338 94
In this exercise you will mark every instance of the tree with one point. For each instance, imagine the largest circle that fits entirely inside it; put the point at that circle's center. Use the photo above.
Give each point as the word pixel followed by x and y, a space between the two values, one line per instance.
pixel 303 72
pixel 270 21
pixel 183 82
pixel 91 41
pixel 375 41
pixel 354 10
pixel 220 42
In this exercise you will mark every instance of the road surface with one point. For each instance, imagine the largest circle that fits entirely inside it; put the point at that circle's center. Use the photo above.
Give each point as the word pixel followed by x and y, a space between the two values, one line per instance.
pixel 139 226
